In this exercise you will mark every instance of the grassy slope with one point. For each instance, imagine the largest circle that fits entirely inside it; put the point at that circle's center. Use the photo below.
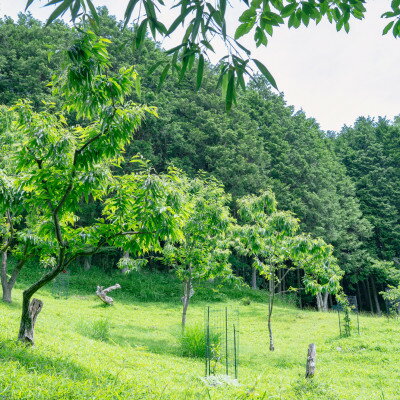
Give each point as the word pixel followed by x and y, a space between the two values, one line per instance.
pixel 141 359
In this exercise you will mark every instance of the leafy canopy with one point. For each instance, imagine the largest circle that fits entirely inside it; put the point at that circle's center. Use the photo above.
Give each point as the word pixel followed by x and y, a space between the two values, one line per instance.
pixel 205 20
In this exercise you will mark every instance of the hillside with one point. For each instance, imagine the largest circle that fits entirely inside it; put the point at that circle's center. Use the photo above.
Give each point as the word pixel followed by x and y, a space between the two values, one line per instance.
pixel 131 350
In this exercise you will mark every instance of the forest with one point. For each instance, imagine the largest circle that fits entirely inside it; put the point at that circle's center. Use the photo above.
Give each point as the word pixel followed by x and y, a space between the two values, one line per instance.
pixel 342 186
pixel 117 163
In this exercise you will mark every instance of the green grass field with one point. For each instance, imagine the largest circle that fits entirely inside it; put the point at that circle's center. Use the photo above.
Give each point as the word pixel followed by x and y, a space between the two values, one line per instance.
pixel 131 351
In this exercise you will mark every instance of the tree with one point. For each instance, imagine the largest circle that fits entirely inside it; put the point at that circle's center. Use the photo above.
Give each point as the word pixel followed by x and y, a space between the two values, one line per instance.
pixel 203 21
pixel 204 252
pixel 270 237
pixel 59 164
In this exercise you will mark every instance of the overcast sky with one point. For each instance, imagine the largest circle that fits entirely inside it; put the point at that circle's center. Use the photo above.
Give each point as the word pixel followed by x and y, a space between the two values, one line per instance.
pixel 334 77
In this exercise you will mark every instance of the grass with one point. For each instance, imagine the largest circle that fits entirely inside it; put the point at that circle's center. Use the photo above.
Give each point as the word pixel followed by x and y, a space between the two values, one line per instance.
pixel 133 351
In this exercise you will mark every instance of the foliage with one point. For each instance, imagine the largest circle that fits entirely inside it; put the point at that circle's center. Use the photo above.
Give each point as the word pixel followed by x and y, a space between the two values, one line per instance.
pixel 98 330
pixel 58 164
pixel 202 22
pixel 193 341
pixel 204 252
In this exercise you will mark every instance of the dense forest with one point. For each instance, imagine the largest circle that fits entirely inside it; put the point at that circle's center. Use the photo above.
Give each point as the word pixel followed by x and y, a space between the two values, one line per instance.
pixel 344 187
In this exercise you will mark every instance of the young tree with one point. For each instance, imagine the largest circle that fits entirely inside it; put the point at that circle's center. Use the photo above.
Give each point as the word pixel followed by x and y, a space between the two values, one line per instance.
pixel 58 165
pixel 204 252
pixel 270 237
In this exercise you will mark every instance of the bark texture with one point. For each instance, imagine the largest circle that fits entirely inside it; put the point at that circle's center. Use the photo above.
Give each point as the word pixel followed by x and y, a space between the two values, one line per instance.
pixel 7 284
pixel 30 311
pixel 102 293
pixel 254 279
pixel 311 360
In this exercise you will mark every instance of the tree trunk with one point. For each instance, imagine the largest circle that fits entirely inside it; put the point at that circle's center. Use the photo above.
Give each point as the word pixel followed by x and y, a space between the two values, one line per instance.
pixel 87 263
pixel 375 294
pixel 299 285
pixel 270 309
pixel 8 284
pixel 254 279
pixel 325 302
pixel 311 356
pixel 319 301
pixel 30 311
pixel 368 291
pixel 4 282
pixel 330 301
pixel 359 299
pixel 185 300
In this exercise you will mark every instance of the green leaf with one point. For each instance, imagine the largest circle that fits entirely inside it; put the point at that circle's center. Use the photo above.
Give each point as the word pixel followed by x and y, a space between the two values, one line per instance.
pixel 93 11
pixel 288 10
pixel 154 67
pixel 129 9
pixel 222 7
pixel 163 75
pixel 230 90
pixel 263 69
pixel 59 11
pixel 388 27
pixel 243 29
pixel 200 71
pixel 138 87
pixel 141 33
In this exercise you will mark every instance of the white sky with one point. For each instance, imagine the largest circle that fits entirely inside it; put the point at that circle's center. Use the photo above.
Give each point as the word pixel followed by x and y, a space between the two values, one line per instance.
pixel 334 77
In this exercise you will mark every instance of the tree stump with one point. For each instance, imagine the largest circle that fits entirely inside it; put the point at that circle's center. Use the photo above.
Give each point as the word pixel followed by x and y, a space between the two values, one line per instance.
pixel 102 293
pixel 311 357
pixel 28 323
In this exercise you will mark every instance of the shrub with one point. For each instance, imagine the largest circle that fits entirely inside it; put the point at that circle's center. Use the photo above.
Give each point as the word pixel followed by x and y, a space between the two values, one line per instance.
pixel 99 330
pixel 193 341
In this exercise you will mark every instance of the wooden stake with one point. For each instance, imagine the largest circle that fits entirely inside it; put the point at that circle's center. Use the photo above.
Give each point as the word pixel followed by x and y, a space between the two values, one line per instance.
pixel 311 358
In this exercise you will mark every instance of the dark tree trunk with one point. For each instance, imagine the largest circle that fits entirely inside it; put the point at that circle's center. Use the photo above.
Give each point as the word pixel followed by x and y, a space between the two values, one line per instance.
pixel 359 299
pixel 30 311
pixel 368 291
pixel 330 301
pixel 375 294
pixel 254 279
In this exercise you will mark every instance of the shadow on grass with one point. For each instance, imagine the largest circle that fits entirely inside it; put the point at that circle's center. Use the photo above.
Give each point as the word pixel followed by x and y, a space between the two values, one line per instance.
pixel 147 339
pixel 37 363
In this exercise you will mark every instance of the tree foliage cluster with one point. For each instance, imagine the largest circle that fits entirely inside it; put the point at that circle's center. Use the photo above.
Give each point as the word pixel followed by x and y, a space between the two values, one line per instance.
pixel 55 165
pixel 261 143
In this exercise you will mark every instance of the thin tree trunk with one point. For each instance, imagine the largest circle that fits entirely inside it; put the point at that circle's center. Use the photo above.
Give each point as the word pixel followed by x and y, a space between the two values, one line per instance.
pixel 8 284
pixel 359 299
pixel 4 281
pixel 185 301
pixel 367 289
pixel 280 280
pixel 298 285
pixel 187 294
pixel 254 279
pixel 375 294
pixel 270 308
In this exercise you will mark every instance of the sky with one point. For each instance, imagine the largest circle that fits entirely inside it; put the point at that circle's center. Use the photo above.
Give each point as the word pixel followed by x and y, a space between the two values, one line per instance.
pixel 332 76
